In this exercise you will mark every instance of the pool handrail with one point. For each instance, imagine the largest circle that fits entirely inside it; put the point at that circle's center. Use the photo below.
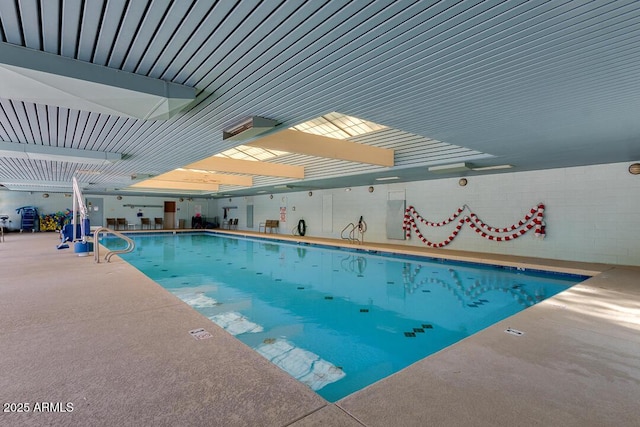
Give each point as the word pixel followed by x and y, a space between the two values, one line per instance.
pixel 107 257
pixel 353 233
pixel 356 233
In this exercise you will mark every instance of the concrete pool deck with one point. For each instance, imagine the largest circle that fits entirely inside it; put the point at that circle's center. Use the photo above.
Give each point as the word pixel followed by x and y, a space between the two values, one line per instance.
pixel 115 345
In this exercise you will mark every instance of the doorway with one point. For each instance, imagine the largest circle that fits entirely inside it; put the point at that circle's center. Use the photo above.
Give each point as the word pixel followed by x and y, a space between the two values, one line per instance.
pixel 169 215
pixel 95 208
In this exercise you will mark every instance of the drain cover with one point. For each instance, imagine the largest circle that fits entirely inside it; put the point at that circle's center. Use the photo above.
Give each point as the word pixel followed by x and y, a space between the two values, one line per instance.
pixel 514 332
pixel 200 334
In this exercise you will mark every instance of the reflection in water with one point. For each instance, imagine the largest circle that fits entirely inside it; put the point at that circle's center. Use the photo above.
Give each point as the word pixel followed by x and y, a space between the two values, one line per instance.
pixel 469 295
pixel 354 264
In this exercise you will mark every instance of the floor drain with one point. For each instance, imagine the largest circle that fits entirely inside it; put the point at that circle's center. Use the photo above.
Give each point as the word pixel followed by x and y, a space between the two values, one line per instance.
pixel 514 332
pixel 410 334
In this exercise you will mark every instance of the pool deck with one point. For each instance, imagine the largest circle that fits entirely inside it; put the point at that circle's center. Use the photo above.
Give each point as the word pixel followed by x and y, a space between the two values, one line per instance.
pixel 117 346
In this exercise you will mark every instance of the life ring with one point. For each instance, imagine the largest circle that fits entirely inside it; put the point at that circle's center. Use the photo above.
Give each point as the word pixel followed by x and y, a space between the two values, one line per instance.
pixel 302 227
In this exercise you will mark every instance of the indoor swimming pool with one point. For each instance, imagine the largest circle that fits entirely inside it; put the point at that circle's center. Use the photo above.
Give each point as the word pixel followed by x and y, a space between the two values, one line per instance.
pixel 337 320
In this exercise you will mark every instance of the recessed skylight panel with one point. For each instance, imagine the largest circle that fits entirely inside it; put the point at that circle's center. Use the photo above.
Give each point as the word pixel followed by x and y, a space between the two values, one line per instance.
pixel 245 152
pixel 338 126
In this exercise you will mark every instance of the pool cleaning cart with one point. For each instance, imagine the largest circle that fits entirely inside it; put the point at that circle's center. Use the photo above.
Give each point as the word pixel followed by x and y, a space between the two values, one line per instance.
pixel 29 218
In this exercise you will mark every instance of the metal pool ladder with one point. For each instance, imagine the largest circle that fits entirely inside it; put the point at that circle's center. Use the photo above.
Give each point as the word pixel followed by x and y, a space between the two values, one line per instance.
pixel 356 232
pixel 96 246
pixel 351 235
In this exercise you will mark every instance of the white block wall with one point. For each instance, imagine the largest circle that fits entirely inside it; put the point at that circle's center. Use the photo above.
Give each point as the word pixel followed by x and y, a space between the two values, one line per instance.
pixel 113 208
pixel 592 212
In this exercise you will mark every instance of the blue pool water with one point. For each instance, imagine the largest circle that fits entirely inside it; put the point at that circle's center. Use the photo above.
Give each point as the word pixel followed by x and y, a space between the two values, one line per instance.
pixel 337 320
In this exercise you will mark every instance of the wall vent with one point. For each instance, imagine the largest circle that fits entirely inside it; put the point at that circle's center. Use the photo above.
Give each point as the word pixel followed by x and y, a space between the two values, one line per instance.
pixel 248 129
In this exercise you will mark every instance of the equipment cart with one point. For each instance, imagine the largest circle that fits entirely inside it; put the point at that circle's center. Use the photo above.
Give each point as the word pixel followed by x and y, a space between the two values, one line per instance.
pixel 29 218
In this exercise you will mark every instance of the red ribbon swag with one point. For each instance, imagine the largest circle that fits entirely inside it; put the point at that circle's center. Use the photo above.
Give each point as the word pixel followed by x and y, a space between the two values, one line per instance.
pixel 534 218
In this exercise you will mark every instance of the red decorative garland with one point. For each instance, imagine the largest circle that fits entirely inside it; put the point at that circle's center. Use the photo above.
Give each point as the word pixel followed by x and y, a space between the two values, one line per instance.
pixel 534 218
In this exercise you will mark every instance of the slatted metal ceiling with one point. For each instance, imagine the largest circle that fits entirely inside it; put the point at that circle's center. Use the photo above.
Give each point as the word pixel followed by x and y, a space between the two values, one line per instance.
pixel 535 84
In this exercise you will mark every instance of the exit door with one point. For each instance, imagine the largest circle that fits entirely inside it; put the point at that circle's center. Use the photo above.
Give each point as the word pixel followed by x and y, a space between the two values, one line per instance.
pixel 95 206
pixel 169 215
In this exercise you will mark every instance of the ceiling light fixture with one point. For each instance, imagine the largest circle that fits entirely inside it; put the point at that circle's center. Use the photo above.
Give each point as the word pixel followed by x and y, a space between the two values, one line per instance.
pixel 387 178
pixel 490 168
pixel 56 154
pixel 634 169
pixel 453 167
